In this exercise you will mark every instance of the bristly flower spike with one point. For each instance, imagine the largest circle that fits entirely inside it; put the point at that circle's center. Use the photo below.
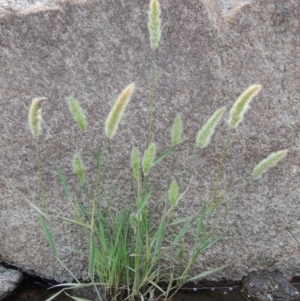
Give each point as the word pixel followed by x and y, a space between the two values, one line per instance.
pixel 242 104
pixel 78 168
pixel 176 131
pixel 35 116
pixel 117 111
pixel 77 112
pixel 267 163
pixel 154 23
pixel 135 163
pixel 205 134
pixel 173 193
pixel 148 158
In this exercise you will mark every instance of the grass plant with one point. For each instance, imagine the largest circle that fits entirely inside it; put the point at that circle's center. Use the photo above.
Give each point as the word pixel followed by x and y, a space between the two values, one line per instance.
pixel 126 259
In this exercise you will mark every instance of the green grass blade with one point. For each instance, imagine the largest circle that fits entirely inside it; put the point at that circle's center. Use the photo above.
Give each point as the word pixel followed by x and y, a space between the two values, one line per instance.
pixel 200 222
pixel 146 199
pixel 48 234
pixel 91 271
pixel 165 154
pixel 75 251
pixel 83 211
pixel 77 298
pixel 55 295
pixel 76 285
pixel 206 273
pixel 157 286
pixel 30 203
pixel 180 252
pixel 64 183
pixel 75 222
pixel 98 159
pixel 37 209
pixel 182 231
pixel 159 235
pixel 84 188
pixel 209 243
pixel 181 220
pixel 112 193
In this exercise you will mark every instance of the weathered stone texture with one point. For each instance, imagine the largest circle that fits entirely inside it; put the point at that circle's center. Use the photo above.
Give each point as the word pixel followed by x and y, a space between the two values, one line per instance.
pixel 9 281
pixel 209 53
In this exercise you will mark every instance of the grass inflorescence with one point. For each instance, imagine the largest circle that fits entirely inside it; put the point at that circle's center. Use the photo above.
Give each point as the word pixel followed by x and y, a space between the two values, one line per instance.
pixel 125 258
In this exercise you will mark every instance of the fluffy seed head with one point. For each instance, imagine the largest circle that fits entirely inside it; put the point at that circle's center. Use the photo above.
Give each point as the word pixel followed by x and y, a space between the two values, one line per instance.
pixel 176 131
pixel 173 193
pixel 241 105
pixel 205 134
pixel 148 158
pixel 35 116
pixel 77 113
pixel 117 111
pixel 267 163
pixel 154 23
pixel 78 168
pixel 135 163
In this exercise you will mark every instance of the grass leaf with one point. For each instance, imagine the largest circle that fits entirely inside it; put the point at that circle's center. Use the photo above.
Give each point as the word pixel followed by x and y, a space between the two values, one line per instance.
pixel 29 202
pixel 64 183
pixel 92 247
pixel 146 199
pixel 165 154
pixel 181 220
pixel 55 295
pixel 182 231
pixel 98 159
pixel 77 298
pixel 75 222
pixel 48 235
pixel 206 273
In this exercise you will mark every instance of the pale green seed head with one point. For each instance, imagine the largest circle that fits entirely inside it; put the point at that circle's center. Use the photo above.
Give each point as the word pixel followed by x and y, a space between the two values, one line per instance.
pixel 267 163
pixel 242 104
pixel 134 220
pixel 35 117
pixel 154 23
pixel 135 163
pixel 205 134
pixel 117 111
pixel 173 193
pixel 78 168
pixel 77 113
pixel 176 131
pixel 148 158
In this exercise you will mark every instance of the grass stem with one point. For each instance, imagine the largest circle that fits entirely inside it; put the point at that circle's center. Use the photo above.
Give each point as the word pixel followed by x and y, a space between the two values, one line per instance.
pixel 153 94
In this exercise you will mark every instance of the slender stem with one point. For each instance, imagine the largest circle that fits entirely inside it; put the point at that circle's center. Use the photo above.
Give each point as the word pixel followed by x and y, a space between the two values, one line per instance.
pixel 153 92
pixel 97 291
pixel 68 270
pixel 242 189
pixel 42 189
pixel 96 195
pixel 187 171
pixel 138 190
pixel 97 185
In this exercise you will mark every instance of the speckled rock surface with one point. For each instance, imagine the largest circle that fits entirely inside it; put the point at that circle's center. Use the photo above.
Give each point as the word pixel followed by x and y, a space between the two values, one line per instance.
pixel 209 53
pixel 9 281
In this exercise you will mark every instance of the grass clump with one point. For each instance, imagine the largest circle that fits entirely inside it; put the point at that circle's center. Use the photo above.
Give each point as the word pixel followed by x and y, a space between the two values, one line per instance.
pixel 126 258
